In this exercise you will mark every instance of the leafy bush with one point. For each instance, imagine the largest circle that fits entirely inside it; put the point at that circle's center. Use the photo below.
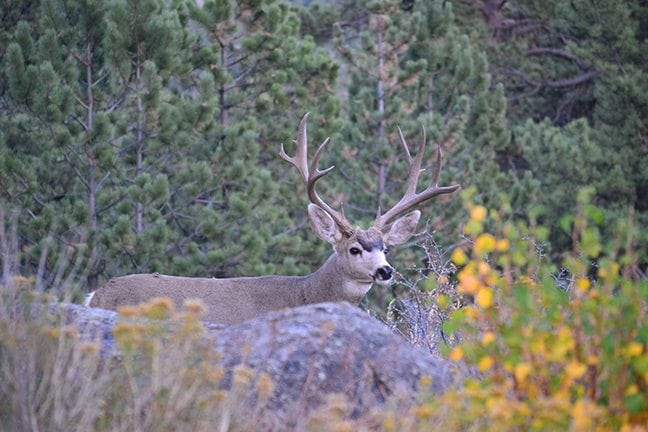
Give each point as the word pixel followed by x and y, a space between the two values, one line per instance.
pixel 555 348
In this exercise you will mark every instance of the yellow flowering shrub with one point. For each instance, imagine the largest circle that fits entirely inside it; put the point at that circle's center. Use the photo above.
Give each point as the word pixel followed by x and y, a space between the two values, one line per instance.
pixel 555 348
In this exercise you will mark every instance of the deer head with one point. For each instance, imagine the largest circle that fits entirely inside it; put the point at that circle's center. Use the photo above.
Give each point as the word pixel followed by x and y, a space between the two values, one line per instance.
pixel 362 253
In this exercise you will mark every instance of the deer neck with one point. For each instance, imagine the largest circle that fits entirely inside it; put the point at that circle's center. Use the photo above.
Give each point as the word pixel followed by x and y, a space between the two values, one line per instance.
pixel 331 283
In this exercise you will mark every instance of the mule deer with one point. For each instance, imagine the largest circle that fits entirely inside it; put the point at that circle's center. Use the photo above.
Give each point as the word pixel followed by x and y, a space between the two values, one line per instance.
pixel 358 258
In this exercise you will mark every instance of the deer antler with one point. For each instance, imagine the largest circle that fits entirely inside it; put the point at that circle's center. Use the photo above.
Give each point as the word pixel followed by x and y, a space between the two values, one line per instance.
pixel 311 174
pixel 411 199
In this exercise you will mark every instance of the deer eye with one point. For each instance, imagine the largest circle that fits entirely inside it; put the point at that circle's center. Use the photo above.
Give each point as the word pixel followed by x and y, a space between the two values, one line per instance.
pixel 386 250
pixel 354 251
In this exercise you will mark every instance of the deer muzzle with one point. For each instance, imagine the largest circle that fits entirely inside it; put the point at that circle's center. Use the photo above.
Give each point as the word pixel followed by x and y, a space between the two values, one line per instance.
pixel 384 274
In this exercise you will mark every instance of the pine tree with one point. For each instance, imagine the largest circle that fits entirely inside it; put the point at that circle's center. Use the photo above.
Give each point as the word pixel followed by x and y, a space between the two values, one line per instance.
pixel 123 136
pixel 462 108
pixel 145 48
pixel 266 77
pixel 573 61
pixel 436 78
pixel 58 83
pixel 378 94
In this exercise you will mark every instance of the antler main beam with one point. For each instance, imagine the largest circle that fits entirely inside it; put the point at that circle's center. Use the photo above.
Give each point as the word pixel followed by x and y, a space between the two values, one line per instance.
pixel 311 174
pixel 411 199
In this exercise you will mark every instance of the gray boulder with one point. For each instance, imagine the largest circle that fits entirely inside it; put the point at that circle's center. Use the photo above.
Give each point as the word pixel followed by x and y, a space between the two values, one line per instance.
pixel 310 353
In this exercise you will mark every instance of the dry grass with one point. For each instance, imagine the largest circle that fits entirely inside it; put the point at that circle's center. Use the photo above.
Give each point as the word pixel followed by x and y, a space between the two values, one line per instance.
pixel 166 378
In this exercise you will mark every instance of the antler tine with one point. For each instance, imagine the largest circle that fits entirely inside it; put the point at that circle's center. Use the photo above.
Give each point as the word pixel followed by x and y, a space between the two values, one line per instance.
pixel 299 161
pixel 310 176
pixel 414 163
pixel 405 146
pixel 437 167
pixel 316 158
pixel 411 199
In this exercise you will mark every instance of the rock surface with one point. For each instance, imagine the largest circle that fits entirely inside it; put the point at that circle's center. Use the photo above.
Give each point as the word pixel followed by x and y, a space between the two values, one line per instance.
pixel 310 352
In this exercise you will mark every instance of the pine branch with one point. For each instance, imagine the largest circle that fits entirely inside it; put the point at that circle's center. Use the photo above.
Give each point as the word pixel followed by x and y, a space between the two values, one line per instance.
pixel 571 82
pixel 77 172
pixel 540 51
pixel 78 120
pixel 82 103
pixel 102 181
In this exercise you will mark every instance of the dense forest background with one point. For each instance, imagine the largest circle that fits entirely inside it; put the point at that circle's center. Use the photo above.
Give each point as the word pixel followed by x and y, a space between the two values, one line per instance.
pixel 143 135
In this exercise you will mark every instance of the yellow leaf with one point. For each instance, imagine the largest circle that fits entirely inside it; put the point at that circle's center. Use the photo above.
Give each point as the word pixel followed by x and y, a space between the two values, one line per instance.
pixel 632 389
pixel 634 349
pixel 525 280
pixel 389 423
pixel 456 354
pixel 564 332
pixel 471 313
pixel 478 213
pixel 538 346
pixel 426 380
pixel 443 301
pixel 575 369
pixel 581 416
pixel 502 245
pixel 562 343
pixel 522 371
pixel 488 338
pixel 592 360
pixel 582 284
pixel 484 297
pixel 499 407
pixel 459 257
pixel 423 412
pixel 485 363
pixel 483 268
pixel 469 285
pixel 484 243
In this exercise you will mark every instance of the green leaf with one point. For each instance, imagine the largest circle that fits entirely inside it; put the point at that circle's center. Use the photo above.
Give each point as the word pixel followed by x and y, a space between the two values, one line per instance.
pixel 590 243
pixel 566 222
pixel 455 321
pixel 595 214
pixel 635 403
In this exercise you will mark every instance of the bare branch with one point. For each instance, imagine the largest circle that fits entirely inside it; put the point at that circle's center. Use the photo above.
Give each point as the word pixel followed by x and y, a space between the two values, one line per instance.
pixel 577 80
pixel 539 51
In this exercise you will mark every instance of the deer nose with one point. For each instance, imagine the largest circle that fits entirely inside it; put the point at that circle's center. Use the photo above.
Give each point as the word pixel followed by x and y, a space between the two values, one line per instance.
pixel 384 273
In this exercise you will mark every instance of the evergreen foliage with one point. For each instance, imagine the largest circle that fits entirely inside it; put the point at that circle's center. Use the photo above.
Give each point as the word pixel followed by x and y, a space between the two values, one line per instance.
pixel 142 136
pixel 580 67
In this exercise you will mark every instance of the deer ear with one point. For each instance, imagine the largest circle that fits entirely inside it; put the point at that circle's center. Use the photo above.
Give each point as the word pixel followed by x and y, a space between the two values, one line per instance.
pixel 323 225
pixel 402 229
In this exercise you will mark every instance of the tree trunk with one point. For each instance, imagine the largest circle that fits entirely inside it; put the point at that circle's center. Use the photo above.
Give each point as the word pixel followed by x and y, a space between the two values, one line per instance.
pixel 380 98
pixel 139 206
pixel 91 169
pixel 222 91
